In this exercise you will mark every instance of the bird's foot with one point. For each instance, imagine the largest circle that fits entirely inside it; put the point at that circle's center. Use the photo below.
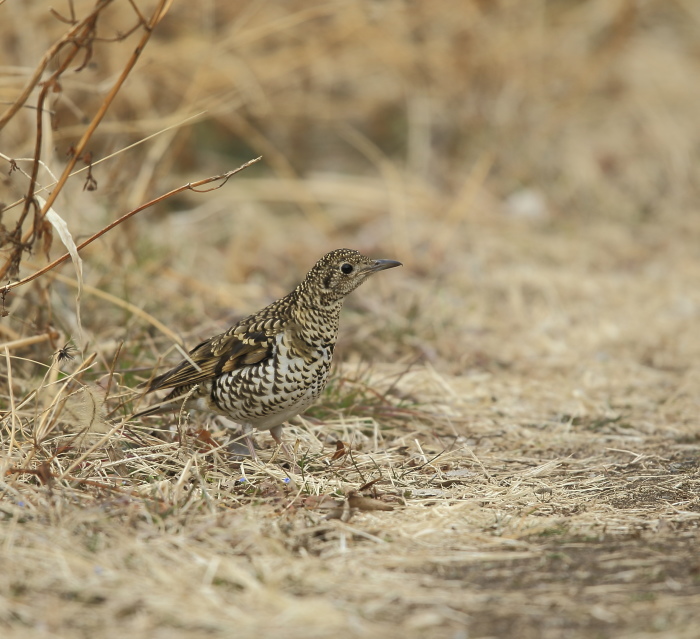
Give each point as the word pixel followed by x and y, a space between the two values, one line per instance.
pixel 276 433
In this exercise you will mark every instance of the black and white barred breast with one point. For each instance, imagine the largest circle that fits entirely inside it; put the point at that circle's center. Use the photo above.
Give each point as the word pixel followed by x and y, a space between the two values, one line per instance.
pixel 274 390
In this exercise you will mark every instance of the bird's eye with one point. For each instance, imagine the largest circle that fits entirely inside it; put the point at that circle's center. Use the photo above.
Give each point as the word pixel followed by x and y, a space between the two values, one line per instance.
pixel 346 268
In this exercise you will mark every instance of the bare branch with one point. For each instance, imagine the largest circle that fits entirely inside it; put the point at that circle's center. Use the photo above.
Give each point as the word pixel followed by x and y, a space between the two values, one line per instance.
pixel 190 186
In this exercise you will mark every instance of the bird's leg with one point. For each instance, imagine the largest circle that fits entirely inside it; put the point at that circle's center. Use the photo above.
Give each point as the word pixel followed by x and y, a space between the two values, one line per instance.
pixel 276 433
pixel 247 430
pixel 236 447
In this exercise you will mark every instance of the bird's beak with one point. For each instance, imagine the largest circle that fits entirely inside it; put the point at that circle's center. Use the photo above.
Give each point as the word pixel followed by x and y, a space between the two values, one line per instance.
pixel 382 265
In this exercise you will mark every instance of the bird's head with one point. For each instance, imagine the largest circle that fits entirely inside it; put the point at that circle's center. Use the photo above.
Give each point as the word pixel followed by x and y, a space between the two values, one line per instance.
pixel 340 272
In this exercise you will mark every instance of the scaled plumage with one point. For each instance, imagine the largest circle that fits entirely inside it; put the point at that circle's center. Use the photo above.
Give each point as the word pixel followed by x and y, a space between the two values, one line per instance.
pixel 273 364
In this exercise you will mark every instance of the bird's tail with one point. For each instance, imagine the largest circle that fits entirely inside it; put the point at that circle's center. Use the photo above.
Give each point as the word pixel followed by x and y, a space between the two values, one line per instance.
pixel 151 410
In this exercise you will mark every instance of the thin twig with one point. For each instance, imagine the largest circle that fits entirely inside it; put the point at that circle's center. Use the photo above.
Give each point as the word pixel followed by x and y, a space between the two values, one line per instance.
pixel 69 38
pixel 21 243
pixel 156 17
pixel 192 186
pixel 13 428
pixel 127 306
pixel 50 185
pixel 29 341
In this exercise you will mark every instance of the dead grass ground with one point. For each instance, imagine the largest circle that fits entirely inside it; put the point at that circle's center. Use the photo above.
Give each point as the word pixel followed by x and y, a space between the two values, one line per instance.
pixel 523 395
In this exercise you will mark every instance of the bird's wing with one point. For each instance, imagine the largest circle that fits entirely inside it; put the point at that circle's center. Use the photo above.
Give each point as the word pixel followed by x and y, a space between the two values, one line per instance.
pixel 247 343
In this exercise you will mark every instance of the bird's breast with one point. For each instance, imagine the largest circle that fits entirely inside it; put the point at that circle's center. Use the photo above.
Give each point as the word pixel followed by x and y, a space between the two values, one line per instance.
pixel 278 388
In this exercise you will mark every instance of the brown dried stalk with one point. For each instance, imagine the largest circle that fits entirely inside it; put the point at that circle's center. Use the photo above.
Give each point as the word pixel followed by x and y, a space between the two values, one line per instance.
pixel 192 186
pixel 82 38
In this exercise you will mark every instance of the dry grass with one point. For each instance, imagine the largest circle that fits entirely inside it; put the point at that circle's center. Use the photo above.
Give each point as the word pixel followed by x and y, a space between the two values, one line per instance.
pixel 517 406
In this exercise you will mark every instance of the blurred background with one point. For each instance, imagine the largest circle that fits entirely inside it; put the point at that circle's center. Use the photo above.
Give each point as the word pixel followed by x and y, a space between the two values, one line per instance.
pixel 533 164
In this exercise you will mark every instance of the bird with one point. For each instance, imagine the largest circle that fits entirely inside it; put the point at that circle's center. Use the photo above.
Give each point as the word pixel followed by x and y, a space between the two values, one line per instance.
pixel 271 365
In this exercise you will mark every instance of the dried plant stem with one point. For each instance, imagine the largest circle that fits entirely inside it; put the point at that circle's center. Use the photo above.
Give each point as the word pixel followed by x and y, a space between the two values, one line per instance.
pixel 72 37
pixel 12 404
pixel 92 448
pixel 81 39
pixel 28 341
pixel 50 185
pixel 156 17
pixel 192 186
pixel 117 301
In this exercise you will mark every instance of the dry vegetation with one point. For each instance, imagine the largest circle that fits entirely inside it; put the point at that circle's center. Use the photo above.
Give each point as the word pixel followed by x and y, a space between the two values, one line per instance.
pixel 509 446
